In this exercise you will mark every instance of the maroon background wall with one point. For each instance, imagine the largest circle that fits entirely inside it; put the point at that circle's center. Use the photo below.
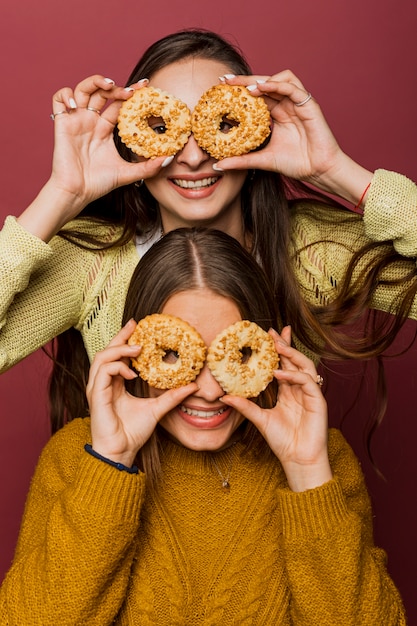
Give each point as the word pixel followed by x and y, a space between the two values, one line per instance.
pixel 359 60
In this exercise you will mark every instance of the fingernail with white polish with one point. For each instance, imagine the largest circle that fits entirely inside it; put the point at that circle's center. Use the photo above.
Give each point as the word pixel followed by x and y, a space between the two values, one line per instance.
pixel 252 87
pixel 229 76
pixel 260 81
pixel 143 80
pixel 72 103
pixel 217 167
pixel 129 89
pixel 167 161
pixel 109 80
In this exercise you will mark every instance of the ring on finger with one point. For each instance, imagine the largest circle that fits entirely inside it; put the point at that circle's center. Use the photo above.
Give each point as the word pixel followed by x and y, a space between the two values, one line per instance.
pixel 53 115
pixel 94 110
pixel 307 99
pixel 319 380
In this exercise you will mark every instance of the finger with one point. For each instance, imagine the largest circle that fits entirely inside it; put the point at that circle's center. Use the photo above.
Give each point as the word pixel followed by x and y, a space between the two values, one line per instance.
pixel 290 358
pixel 243 79
pixel 281 342
pixel 297 377
pixel 279 90
pixel 172 398
pixel 91 85
pixel 101 98
pixel 116 350
pixel 287 76
pixel 63 101
pixel 248 409
pixel 108 376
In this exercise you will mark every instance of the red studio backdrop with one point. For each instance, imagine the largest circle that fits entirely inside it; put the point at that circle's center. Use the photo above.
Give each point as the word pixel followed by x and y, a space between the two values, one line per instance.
pixel 359 61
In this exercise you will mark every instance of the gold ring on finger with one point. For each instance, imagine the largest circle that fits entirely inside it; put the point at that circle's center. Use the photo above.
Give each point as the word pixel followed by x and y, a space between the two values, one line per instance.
pixel 53 115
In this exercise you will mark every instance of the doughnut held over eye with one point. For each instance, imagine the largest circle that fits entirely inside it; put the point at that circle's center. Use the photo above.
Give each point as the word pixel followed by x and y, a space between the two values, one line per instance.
pixel 229 121
pixel 171 116
pixel 242 359
pixel 172 354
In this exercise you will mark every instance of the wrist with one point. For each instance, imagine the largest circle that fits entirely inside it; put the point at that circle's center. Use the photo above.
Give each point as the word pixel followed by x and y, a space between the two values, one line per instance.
pixel 346 180
pixel 301 477
pixel 120 462
pixel 50 211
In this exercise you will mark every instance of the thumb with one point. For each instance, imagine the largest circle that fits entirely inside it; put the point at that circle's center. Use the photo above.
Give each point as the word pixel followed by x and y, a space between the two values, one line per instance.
pixel 172 398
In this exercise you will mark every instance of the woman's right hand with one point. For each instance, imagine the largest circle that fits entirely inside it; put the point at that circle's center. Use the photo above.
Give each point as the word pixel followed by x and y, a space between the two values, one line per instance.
pixel 86 164
pixel 121 423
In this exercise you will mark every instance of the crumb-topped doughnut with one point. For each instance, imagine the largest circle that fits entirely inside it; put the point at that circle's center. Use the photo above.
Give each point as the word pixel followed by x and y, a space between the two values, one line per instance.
pixel 242 359
pixel 233 109
pixel 134 129
pixel 172 354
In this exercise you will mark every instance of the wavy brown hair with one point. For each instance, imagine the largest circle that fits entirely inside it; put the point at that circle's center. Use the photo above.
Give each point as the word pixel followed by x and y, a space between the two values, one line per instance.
pixel 195 258
pixel 268 200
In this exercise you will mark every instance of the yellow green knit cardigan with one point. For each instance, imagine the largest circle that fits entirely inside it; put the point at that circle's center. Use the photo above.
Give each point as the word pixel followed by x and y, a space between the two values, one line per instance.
pixel 46 289
pixel 97 549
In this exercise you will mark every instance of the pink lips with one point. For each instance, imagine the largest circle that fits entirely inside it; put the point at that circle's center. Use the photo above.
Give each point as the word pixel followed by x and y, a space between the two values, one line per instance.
pixel 194 188
pixel 204 418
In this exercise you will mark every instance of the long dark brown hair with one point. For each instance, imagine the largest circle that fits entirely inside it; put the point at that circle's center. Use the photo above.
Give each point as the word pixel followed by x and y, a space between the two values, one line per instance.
pixel 196 258
pixel 268 200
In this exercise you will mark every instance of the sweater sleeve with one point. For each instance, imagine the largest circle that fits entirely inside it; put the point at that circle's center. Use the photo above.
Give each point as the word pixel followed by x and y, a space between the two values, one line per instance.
pixel 47 288
pixel 77 541
pixel 41 288
pixel 324 241
pixel 391 212
pixel 336 574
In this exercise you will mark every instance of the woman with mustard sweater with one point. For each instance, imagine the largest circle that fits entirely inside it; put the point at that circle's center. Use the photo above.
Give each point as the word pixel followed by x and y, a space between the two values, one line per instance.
pixel 187 506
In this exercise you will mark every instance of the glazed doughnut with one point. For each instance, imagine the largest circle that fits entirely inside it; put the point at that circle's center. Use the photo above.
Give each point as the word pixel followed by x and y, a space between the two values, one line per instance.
pixel 227 364
pixel 234 103
pixel 142 139
pixel 160 334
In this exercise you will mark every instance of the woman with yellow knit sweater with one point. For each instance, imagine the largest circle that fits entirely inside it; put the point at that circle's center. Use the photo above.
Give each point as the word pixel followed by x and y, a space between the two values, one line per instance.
pixel 66 261
pixel 191 507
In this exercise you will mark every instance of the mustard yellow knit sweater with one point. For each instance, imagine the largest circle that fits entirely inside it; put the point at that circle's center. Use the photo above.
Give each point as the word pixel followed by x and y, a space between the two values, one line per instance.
pixel 46 289
pixel 96 549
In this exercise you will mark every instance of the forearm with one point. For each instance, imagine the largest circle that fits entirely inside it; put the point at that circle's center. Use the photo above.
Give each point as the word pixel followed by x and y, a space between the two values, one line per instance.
pixel 50 211
pixel 346 179
pixel 41 291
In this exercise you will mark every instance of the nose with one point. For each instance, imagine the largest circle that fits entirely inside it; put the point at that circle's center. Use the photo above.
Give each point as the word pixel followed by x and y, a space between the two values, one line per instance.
pixel 209 388
pixel 192 155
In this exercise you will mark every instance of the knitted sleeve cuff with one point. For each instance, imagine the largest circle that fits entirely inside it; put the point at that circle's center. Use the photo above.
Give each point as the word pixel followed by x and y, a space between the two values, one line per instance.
pixel 391 211
pixel 20 248
pixel 105 493
pixel 123 468
pixel 314 512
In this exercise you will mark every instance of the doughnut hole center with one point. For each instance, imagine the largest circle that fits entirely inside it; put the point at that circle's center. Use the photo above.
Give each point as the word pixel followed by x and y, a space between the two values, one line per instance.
pixel 227 123
pixel 170 357
pixel 157 124
pixel 246 353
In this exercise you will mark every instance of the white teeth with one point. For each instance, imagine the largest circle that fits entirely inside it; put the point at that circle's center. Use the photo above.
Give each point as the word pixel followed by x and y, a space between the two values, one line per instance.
pixel 195 184
pixel 205 414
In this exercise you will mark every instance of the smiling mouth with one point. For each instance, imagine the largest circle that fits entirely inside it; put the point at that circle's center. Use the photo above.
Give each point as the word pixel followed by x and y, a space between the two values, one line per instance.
pixel 195 184
pixel 204 414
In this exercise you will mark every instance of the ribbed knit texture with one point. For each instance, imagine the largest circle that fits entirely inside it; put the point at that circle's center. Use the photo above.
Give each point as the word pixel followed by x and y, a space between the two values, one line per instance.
pixel 45 289
pixel 95 549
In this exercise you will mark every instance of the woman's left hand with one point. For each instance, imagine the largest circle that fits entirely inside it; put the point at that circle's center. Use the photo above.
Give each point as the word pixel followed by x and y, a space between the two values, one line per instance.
pixel 301 145
pixel 296 428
